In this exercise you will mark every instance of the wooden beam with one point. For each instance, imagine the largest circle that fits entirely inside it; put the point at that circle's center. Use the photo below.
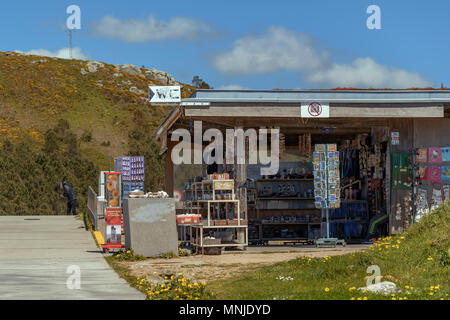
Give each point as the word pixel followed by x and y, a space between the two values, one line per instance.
pixel 388 112
pixel 245 111
pixel 336 111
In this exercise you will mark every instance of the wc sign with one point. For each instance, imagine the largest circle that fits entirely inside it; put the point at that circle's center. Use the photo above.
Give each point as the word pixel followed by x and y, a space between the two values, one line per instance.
pixel 315 110
pixel 160 95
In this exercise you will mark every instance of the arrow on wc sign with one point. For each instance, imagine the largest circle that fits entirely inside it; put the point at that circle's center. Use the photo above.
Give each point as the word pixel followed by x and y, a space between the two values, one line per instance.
pixel 165 95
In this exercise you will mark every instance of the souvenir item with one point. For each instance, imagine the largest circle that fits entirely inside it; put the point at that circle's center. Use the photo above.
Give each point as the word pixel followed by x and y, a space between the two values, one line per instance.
pixel 445 154
pixel 326 177
pixel 436 197
pixel 434 174
pixel 446 173
pixel 422 173
pixel 402 171
pixel 434 155
pixel 446 192
pixel 421 155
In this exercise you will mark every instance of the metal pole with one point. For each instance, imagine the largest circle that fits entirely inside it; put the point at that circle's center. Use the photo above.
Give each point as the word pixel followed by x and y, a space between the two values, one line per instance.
pixel 70 31
pixel 328 223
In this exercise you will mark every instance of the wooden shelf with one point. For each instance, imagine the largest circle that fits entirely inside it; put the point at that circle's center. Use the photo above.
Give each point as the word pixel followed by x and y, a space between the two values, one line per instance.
pixel 283 180
pixel 205 201
pixel 284 198
pixel 288 223
pixel 284 239
pixel 278 209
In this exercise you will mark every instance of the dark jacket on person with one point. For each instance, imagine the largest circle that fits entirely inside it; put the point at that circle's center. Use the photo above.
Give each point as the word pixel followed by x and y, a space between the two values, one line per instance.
pixel 69 193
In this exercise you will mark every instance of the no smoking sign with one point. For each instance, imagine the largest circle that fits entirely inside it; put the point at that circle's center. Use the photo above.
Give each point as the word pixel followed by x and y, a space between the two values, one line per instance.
pixel 315 110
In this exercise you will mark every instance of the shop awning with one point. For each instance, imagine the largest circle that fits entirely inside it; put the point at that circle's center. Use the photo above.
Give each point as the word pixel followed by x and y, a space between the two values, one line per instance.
pixel 287 104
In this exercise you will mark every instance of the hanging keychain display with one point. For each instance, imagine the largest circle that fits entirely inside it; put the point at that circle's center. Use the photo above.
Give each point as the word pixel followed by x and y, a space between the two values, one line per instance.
pixel 436 196
pixel 402 171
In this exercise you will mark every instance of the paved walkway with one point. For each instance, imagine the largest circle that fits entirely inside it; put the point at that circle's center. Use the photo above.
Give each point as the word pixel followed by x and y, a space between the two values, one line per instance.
pixel 36 252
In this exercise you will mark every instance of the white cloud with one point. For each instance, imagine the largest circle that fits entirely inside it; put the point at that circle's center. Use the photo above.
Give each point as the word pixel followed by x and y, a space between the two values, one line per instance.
pixel 366 73
pixel 63 53
pixel 278 49
pixel 150 29
pixel 232 87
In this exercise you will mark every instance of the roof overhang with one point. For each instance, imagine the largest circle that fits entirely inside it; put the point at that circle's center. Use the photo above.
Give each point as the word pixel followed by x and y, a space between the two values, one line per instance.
pixel 287 104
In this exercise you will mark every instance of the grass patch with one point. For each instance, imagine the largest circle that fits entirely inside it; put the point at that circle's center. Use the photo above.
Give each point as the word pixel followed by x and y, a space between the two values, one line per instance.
pixel 417 261
pixel 162 286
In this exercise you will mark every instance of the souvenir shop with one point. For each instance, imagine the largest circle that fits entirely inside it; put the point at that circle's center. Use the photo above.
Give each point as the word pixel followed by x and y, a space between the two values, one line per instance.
pixel 353 165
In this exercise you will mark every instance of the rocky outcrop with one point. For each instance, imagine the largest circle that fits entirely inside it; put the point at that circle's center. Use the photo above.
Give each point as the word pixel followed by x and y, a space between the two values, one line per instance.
pixel 93 66
pixel 138 91
pixel 159 76
pixel 153 74
pixel 130 69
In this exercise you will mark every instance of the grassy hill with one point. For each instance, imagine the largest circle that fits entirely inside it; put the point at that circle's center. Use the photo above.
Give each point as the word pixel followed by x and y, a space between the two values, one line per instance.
pixel 417 261
pixel 62 118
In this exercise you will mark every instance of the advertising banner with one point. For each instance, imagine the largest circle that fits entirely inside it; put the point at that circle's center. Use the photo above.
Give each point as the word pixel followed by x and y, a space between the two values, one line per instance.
pixel 113 225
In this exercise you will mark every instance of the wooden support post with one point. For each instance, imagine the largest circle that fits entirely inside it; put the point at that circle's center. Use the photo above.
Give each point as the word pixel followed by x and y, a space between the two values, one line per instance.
pixel 169 183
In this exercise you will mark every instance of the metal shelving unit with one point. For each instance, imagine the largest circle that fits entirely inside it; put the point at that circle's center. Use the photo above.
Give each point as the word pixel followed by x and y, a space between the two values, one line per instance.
pixel 290 211
pixel 217 194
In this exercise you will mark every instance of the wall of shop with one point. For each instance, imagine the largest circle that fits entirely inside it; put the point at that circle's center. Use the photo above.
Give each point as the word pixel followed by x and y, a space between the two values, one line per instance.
pixel 401 201
pixel 412 134
pixel 435 134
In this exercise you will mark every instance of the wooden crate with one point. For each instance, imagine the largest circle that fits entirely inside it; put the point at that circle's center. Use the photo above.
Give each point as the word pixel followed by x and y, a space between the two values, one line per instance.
pixel 235 222
pixel 207 242
pixel 219 222
pixel 223 185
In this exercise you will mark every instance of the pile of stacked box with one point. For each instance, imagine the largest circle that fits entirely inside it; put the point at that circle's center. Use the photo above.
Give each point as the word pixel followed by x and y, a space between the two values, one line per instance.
pixel 133 173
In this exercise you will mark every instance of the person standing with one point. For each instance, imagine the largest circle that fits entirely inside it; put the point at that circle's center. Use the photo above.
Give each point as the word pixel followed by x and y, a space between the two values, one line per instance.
pixel 71 197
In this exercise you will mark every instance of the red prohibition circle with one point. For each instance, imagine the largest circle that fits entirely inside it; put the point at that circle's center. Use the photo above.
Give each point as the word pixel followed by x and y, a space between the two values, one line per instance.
pixel 315 109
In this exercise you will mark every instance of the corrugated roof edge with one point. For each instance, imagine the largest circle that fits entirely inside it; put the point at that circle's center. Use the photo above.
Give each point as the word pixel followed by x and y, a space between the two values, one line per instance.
pixel 331 95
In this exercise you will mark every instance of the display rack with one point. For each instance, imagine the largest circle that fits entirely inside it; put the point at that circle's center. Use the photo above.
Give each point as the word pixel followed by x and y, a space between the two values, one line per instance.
pixel 218 198
pixel 293 203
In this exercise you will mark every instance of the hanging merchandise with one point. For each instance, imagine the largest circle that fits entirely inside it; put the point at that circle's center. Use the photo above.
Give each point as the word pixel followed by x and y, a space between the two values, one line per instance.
pixel 407 202
pixel 421 155
pixel 434 155
pixel 436 197
pixel 304 145
pixel 401 170
pixel 421 173
pixel 434 174
pixel 282 139
pixel 445 154
pixel 326 176
pixel 421 204
pixel 395 138
pixel 446 192
pixel 398 209
pixel 446 173
pixel 363 153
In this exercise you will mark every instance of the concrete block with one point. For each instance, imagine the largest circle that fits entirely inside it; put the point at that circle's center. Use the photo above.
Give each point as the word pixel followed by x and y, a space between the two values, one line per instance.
pixel 150 226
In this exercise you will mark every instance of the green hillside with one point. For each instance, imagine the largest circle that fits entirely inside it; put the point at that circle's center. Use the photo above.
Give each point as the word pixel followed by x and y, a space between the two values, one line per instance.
pixel 417 261
pixel 62 118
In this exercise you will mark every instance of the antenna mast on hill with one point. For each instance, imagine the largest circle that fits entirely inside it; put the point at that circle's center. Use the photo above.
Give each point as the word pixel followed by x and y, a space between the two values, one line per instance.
pixel 70 32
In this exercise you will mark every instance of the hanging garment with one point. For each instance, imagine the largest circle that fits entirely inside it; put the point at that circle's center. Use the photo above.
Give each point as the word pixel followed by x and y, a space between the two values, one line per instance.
pixel 436 197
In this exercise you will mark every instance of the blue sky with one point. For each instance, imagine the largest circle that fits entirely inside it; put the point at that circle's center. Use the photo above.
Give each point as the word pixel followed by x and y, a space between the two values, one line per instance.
pixel 249 44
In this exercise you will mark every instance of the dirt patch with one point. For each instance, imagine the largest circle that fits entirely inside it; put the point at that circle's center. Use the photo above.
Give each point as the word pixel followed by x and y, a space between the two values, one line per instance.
pixel 209 268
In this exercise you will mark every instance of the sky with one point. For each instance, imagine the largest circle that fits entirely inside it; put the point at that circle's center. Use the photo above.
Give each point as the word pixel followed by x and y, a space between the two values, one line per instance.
pixel 285 44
